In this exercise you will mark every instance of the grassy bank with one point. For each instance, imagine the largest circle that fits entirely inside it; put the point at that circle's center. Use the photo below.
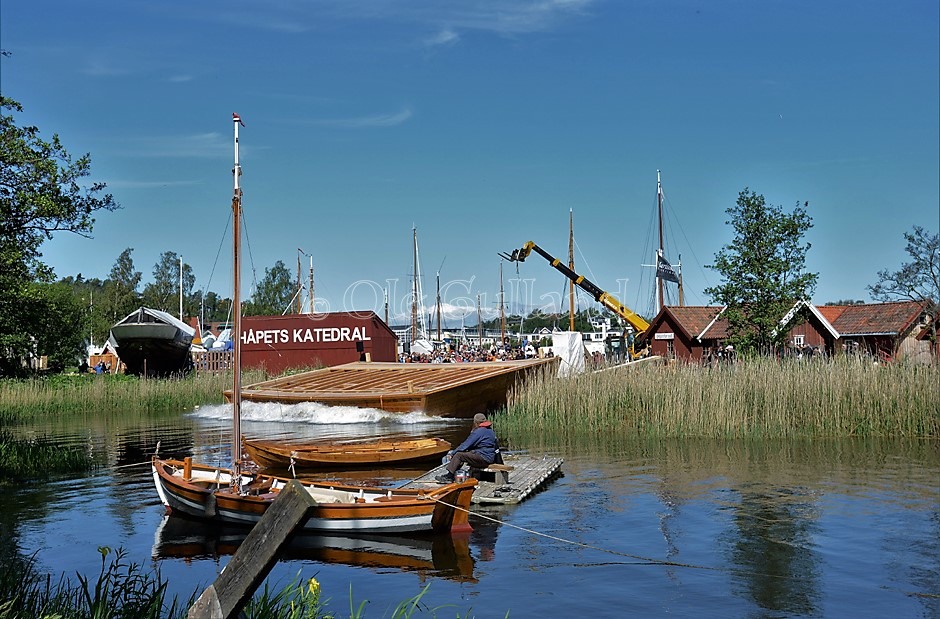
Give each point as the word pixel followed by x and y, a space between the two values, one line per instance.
pixel 759 398
pixel 124 590
pixel 21 400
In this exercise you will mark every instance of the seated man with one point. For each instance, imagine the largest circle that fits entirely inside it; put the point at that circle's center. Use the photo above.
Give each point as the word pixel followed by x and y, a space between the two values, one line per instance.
pixel 479 450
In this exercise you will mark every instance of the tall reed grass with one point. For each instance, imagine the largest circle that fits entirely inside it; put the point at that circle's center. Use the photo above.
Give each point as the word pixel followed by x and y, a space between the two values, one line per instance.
pixel 755 398
pixel 124 590
pixel 21 400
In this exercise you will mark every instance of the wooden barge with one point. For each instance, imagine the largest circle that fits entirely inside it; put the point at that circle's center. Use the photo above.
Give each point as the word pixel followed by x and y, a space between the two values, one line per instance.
pixel 441 389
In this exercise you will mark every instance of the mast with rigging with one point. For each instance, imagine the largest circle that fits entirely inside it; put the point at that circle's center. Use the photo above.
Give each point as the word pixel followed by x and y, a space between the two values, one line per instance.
pixel 237 315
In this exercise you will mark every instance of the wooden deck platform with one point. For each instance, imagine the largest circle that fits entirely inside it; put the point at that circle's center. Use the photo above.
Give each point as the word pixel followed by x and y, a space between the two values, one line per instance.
pixel 528 475
pixel 443 389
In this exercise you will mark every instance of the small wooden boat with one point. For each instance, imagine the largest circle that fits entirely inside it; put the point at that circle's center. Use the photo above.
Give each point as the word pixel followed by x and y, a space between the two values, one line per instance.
pixel 237 496
pixel 208 492
pixel 387 451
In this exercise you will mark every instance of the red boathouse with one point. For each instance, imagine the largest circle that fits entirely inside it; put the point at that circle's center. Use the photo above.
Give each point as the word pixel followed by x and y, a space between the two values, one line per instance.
pixel 277 343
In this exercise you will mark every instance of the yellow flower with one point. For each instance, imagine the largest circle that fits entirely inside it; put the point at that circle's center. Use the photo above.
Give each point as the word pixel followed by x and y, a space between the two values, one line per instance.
pixel 314 587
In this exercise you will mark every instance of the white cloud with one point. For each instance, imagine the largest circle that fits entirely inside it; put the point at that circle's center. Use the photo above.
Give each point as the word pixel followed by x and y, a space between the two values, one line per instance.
pixel 198 145
pixel 378 120
pixel 442 38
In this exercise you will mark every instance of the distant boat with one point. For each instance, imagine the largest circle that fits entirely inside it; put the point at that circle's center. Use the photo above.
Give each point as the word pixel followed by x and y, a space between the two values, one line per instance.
pixel 388 451
pixel 153 343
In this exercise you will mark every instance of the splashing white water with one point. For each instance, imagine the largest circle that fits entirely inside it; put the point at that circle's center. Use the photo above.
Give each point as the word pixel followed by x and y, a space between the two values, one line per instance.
pixel 313 413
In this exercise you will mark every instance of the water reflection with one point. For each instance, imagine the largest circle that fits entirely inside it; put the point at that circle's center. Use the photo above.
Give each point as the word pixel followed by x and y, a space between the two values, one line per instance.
pixel 789 528
pixel 771 548
pixel 434 555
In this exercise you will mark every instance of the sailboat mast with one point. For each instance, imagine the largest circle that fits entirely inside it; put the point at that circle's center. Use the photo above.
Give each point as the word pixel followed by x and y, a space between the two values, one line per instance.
pixel 479 322
pixel 181 288
pixel 659 253
pixel 502 308
pixel 414 289
pixel 237 316
pixel 311 284
pixel 300 286
pixel 571 266
pixel 439 338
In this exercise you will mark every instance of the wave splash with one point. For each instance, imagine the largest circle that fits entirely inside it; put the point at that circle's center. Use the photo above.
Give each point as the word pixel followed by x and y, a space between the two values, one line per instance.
pixel 312 413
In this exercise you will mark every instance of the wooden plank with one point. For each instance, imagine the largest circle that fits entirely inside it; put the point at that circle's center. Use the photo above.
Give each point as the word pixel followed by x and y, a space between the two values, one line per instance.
pixel 256 556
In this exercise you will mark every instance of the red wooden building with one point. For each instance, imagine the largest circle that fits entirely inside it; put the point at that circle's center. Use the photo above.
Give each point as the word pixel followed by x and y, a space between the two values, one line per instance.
pixel 886 331
pixel 277 343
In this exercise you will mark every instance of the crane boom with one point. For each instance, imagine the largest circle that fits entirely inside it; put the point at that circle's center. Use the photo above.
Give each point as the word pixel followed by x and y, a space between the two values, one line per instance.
pixel 604 298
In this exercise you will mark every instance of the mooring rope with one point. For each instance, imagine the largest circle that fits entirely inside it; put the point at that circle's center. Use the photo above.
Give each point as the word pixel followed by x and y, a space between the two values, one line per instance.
pixel 645 560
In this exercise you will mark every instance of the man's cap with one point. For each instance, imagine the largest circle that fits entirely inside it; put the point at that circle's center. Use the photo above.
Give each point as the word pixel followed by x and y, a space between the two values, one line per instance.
pixel 479 418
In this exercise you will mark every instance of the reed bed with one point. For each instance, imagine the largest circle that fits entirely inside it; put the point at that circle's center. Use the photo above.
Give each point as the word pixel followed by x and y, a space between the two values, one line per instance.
pixel 124 590
pixel 754 398
pixel 21 400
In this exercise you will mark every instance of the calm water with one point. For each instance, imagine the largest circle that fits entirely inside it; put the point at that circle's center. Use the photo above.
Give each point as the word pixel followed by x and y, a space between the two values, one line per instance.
pixel 632 528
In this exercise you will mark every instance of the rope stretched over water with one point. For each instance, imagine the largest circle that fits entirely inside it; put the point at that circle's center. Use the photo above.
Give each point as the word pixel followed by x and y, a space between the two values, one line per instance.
pixel 642 559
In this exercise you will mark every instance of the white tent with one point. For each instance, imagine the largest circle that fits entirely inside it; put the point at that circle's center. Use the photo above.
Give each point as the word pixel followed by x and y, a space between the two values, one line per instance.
pixel 570 347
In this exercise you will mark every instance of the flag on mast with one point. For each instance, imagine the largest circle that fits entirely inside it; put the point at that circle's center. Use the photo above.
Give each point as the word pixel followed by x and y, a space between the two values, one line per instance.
pixel 237 119
pixel 665 271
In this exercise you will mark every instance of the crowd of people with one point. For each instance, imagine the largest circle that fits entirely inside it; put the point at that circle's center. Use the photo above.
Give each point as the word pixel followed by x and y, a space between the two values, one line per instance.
pixel 466 353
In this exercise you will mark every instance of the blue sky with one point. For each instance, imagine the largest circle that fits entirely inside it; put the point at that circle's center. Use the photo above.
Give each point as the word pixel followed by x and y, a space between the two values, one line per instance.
pixel 482 123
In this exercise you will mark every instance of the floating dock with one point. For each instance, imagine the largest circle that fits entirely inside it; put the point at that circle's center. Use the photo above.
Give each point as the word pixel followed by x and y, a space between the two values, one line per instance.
pixel 442 389
pixel 527 474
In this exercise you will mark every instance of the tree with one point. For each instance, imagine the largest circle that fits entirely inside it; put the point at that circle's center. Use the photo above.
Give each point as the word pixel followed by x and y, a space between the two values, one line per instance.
pixel 60 316
pixel 918 280
pixel 762 270
pixel 163 293
pixel 41 193
pixel 273 293
pixel 121 296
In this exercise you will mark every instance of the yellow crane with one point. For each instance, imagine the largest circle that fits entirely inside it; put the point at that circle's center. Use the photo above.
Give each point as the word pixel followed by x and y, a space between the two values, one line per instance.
pixel 639 324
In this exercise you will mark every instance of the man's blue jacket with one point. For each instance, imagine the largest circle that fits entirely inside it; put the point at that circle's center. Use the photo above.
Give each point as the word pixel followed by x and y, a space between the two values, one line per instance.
pixel 481 441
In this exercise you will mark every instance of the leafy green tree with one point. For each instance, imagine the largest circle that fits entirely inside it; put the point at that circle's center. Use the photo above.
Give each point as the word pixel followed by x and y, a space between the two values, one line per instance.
pixel 917 280
pixel 59 319
pixel 215 308
pixel 762 270
pixel 121 296
pixel 163 292
pixel 41 193
pixel 273 293
pixel 91 295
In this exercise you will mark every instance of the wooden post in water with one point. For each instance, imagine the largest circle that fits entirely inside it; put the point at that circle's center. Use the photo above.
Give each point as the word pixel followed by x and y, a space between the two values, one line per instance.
pixel 256 556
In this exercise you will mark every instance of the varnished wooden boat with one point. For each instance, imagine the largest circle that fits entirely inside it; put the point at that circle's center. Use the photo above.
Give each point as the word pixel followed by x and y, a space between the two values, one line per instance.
pixel 207 492
pixel 282 455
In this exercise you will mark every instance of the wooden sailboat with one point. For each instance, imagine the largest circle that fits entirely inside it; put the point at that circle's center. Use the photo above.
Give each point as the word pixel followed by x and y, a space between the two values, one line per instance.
pixel 300 456
pixel 238 496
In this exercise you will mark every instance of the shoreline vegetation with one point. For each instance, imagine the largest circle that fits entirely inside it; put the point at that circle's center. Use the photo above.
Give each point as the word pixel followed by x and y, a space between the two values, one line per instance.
pixel 25 399
pixel 124 590
pixel 752 398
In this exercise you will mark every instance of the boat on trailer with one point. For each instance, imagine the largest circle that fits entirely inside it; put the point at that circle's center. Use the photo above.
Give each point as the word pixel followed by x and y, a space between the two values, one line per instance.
pixel 387 451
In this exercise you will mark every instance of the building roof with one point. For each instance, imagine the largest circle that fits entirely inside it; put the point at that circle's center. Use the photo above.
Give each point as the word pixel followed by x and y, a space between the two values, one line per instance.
pixel 876 318
pixel 692 319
